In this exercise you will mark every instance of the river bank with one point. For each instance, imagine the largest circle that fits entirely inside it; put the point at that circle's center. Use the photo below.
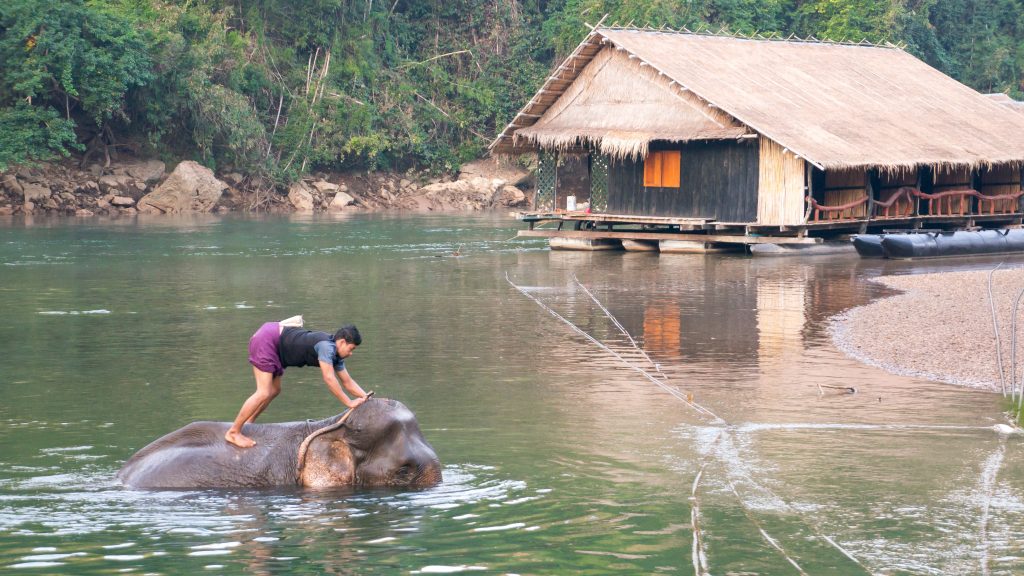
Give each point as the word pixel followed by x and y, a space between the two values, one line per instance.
pixel 940 327
pixel 131 185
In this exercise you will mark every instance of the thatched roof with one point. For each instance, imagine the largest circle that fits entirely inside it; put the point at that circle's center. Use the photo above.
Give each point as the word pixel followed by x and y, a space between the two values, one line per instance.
pixel 836 105
pixel 619 106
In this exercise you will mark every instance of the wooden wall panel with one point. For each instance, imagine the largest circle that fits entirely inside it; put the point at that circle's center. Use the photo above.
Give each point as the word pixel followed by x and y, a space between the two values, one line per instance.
pixel 718 181
pixel 999 181
pixel 844 186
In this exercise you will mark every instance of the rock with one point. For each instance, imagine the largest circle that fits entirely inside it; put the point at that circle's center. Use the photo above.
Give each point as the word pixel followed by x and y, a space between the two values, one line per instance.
pixel 234 178
pixel 403 184
pixel 129 211
pixel 96 170
pixel 192 187
pixel 462 194
pixel 29 208
pixel 342 187
pixel 35 192
pixel 6 210
pixel 301 197
pixel 340 201
pixel 511 196
pixel 9 182
pixel 122 201
pixel 148 171
pixel 491 169
pixel 83 212
pixel 112 183
pixel 88 187
pixel 50 204
pixel 325 187
pixel 102 203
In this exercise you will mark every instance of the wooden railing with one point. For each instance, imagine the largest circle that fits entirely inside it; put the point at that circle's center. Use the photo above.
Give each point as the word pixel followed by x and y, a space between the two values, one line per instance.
pixel 820 212
pixel 901 205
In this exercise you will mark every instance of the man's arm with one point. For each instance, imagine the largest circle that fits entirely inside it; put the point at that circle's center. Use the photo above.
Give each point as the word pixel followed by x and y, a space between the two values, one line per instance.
pixel 327 371
pixel 351 384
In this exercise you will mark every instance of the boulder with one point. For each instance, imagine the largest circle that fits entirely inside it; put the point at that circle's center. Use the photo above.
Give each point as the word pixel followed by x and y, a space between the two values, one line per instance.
pixel 112 183
pixel 512 197
pixel 491 169
pixel 122 201
pixel 466 194
pixel 301 197
pixel 340 201
pixel 84 213
pixel 35 193
pixel 9 183
pixel 325 187
pixel 148 171
pixel 234 178
pixel 191 187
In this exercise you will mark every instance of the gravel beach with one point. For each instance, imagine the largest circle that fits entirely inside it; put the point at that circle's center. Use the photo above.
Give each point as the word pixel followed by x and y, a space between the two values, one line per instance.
pixel 939 328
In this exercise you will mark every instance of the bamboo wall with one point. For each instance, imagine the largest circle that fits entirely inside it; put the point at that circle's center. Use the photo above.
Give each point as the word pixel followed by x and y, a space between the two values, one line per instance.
pixel 844 186
pixel 998 181
pixel 954 179
pixel 780 185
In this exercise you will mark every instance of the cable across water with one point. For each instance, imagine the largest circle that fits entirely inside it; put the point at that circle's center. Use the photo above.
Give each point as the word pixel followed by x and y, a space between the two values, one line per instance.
pixel 674 392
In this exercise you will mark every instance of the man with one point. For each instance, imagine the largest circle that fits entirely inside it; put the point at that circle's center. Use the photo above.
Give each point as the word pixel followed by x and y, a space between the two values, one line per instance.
pixel 278 345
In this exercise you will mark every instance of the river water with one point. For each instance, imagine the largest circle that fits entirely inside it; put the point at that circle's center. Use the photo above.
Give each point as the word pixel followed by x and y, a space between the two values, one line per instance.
pixel 708 447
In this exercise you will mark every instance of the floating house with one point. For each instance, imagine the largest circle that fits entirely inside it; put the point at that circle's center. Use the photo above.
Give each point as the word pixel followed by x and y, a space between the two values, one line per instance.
pixel 659 137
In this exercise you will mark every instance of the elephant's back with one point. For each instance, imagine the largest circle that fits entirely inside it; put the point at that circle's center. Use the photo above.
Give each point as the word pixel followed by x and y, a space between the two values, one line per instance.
pixel 197 456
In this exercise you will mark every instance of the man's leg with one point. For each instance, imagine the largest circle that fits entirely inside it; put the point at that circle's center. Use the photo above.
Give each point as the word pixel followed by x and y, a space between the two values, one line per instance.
pixel 263 395
pixel 275 389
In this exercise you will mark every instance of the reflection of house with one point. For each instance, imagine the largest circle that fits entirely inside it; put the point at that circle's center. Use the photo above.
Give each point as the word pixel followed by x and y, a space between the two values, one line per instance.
pixel 697 134
pixel 780 319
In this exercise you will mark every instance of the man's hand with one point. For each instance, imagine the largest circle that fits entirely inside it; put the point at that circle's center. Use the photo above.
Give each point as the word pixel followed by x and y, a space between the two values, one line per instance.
pixel 356 402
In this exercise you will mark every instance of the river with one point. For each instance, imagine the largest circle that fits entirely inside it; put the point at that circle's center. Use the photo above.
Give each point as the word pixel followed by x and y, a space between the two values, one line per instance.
pixel 706 447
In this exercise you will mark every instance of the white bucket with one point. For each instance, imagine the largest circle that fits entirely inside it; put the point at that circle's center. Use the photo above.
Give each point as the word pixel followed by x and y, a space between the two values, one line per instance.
pixel 570 202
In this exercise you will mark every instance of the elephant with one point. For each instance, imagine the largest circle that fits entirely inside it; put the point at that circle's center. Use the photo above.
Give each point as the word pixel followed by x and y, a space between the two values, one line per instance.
pixel 376 444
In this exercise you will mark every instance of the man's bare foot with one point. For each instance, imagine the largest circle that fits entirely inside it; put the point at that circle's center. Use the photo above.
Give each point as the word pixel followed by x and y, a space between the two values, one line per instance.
pixel 238 439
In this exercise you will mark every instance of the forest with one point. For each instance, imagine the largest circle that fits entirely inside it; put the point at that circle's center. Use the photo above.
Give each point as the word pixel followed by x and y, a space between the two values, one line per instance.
pixel 281 88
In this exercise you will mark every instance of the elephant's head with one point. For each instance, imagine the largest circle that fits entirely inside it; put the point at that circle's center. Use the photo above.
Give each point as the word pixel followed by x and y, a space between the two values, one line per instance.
pixel 378 444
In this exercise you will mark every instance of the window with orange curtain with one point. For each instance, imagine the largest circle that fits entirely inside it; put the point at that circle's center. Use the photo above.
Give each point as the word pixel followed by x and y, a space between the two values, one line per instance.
pixel 661 169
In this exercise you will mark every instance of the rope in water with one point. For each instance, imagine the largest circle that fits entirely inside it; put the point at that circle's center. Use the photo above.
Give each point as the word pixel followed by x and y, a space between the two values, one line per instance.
pixel 995 330
pixel 619 326
pixel 699 552
pixel 672 391
pixel 700 566
pixel 988 482
pixel 1013 347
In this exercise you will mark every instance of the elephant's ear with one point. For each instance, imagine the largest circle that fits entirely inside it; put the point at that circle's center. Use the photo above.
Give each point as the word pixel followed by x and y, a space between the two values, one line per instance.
pixel 325 461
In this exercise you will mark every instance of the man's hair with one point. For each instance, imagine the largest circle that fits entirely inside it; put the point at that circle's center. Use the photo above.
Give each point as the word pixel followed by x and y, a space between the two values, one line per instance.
pixel 349 333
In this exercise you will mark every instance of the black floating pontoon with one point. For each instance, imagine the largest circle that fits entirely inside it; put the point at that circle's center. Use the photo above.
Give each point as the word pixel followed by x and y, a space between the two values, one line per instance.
pixel 939 244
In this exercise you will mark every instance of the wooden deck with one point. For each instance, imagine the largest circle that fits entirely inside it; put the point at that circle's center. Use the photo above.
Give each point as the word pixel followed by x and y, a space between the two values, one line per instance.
pixel 593 226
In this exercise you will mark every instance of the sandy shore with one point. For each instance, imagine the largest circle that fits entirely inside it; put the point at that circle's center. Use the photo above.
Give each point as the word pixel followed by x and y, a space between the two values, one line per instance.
pixel 939 328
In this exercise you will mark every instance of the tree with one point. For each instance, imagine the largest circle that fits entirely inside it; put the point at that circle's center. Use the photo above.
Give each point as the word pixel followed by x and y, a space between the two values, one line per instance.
pixel 76 60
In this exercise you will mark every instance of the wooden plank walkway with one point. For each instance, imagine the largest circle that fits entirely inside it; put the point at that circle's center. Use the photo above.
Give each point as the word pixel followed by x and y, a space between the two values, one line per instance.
pixel 639 235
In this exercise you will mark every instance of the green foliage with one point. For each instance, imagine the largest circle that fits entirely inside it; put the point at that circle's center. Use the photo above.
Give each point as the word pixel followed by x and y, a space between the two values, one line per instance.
pixel 32 134
pixel 248 84
pixel 77 58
